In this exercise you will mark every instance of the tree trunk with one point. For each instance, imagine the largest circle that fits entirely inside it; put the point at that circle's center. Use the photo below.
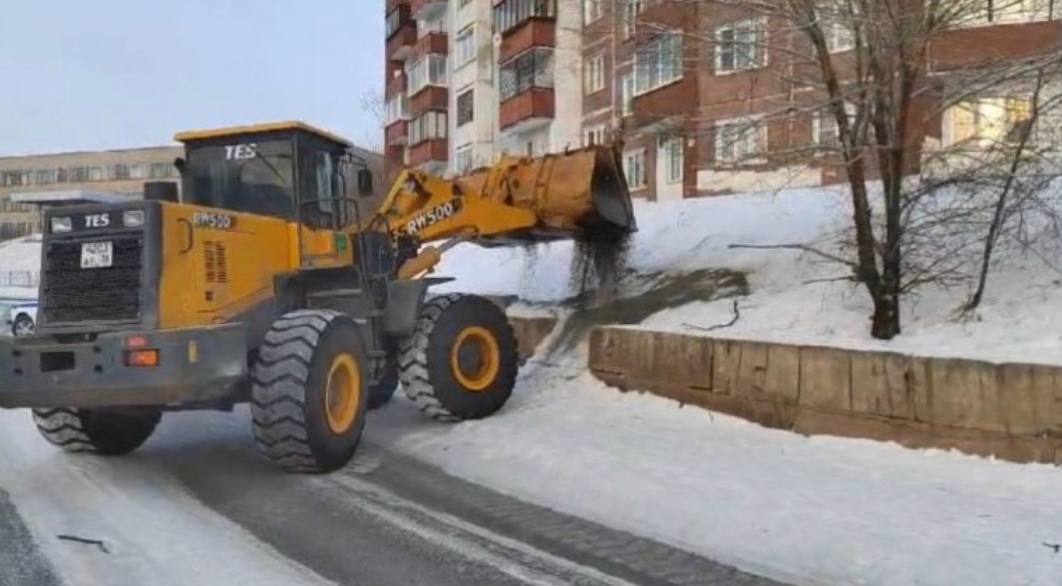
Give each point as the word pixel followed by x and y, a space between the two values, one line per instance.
pixel 886 320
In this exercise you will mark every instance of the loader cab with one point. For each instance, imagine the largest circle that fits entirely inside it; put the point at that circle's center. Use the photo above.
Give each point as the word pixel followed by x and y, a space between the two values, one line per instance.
pixel 288 170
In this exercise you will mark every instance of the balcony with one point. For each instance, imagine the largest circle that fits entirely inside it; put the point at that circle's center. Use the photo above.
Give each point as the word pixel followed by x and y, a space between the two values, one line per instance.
pixel 527 110
pixel 396 85
pixel 401 43
pixel 397 133
pixel 430 153
pixel 428 9
pixel 430 98
pixel 534 32
pixel 431 43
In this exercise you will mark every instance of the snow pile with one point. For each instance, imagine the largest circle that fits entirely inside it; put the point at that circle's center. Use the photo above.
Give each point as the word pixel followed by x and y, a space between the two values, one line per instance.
pixel 794 296
pixel 803 510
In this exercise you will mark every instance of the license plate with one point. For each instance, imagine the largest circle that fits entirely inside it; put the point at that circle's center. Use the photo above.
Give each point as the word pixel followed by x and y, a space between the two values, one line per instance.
pixel 97 255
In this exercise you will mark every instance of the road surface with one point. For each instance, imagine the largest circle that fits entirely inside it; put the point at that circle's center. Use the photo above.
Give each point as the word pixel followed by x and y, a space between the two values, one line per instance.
pixel 197 505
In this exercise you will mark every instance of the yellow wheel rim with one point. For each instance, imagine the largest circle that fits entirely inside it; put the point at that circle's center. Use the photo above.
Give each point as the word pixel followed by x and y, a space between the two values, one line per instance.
pixel 475 358
pixel 342 393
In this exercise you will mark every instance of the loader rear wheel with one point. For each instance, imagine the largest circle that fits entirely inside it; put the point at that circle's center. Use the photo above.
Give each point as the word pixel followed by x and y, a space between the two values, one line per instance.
pixel 309 391
pixel 461 361
pixel 109 433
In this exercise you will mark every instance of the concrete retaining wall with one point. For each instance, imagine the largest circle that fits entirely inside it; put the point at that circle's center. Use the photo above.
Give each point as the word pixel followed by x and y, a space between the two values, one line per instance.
pixel 1011 411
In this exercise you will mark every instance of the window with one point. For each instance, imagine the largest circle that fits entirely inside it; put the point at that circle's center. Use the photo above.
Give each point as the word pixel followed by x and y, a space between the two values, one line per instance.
pixel 594 74
pixel 739 140
pixel 396 18
pixel 465 108
pixel 1004 11
pixel 510 14
pixel 993 120
pixel 45 176
pixel 95 173
pixel 631 10
pixel 740 46
pixel 627 93
pixel 594 135
pixel 592 10
pixel 658 63
pixel 634 168
pixel 674 158
pixel 531 69
pixel 120 172
pixel 428 70
pixel 839 37
pixel 138 171
pixel 824 127
pixel 466 45
pixel 463 159
pixel 162 170
pixel 11 178
pixel 396 108
pixel 429 126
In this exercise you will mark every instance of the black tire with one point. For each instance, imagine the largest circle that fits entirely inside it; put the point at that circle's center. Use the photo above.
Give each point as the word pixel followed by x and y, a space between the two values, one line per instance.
pixel 22 326
pixel 427 362
pixel 289 391
pixel 380 393
pixel 109 433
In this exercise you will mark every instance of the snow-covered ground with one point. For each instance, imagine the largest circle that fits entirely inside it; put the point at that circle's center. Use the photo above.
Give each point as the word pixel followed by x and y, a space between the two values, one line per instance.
pixel 1018 321
pixel 803 510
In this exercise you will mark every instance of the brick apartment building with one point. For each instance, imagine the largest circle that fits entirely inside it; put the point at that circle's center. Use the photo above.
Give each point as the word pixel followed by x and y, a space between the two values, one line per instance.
pixel 114 171
pixel 672 81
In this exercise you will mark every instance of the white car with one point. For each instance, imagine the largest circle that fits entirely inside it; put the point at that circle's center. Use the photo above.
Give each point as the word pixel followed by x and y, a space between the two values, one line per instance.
pixel 22 318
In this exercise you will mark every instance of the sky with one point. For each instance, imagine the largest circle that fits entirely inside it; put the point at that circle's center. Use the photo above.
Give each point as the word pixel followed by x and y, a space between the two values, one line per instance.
pixel 86 75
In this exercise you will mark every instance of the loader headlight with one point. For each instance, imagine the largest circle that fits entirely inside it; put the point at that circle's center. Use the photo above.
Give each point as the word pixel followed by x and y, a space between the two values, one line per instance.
pixel 62 224
pixel 133 218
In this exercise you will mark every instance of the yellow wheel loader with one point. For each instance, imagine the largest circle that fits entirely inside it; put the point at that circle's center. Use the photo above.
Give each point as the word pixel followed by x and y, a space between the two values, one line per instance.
pixel 261 280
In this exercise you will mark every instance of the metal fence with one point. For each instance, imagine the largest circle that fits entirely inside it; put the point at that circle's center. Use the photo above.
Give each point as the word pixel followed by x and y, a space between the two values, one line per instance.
pixel 19 278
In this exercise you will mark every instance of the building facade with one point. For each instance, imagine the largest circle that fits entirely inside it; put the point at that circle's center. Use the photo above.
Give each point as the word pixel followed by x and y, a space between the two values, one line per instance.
pixel 114 171
pixel 690 91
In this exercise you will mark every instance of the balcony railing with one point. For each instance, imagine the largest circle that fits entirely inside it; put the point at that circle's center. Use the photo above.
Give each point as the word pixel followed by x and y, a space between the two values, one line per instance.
pixel 528 109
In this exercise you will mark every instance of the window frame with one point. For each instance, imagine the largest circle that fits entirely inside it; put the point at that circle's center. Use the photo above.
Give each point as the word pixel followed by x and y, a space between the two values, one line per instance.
pixel 752 157
pixel 758 28
pixel 594 73
pixel 637 154
pixel 459 119
pixel 652 57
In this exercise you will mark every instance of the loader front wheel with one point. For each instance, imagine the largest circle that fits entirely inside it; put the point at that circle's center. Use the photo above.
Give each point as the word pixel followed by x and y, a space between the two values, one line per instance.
pixel 108 433
pixel 461 361
pixel 309 391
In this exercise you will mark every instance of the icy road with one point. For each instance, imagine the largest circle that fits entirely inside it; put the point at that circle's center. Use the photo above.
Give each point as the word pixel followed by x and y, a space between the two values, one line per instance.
pixel 196 505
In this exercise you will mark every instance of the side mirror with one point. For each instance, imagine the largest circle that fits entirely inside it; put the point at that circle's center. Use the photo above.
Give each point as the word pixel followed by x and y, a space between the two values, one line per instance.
pixel 365 183
pixel 181 165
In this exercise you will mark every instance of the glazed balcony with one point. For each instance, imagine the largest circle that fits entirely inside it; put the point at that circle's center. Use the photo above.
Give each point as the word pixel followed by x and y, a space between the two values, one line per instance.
pixel 526 110
pixel 533 32
pixel 396 85
pixel 403 39
pixel 430 98
pixel 431 152
pixel 397 133
pixel 432 43
pixel 428 9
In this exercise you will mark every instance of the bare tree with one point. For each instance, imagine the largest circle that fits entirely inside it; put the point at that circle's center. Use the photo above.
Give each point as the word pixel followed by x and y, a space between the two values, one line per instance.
pixel 867 71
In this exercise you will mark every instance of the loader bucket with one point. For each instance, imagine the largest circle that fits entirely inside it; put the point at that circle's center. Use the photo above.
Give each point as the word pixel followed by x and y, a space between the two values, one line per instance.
pixel 610 194
pixel 580 192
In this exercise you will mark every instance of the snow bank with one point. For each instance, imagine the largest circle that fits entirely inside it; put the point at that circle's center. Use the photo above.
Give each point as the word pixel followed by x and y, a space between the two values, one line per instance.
pixel 789 301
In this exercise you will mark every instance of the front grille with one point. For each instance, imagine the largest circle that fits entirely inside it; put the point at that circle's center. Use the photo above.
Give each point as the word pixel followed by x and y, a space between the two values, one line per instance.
pixel 74 294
